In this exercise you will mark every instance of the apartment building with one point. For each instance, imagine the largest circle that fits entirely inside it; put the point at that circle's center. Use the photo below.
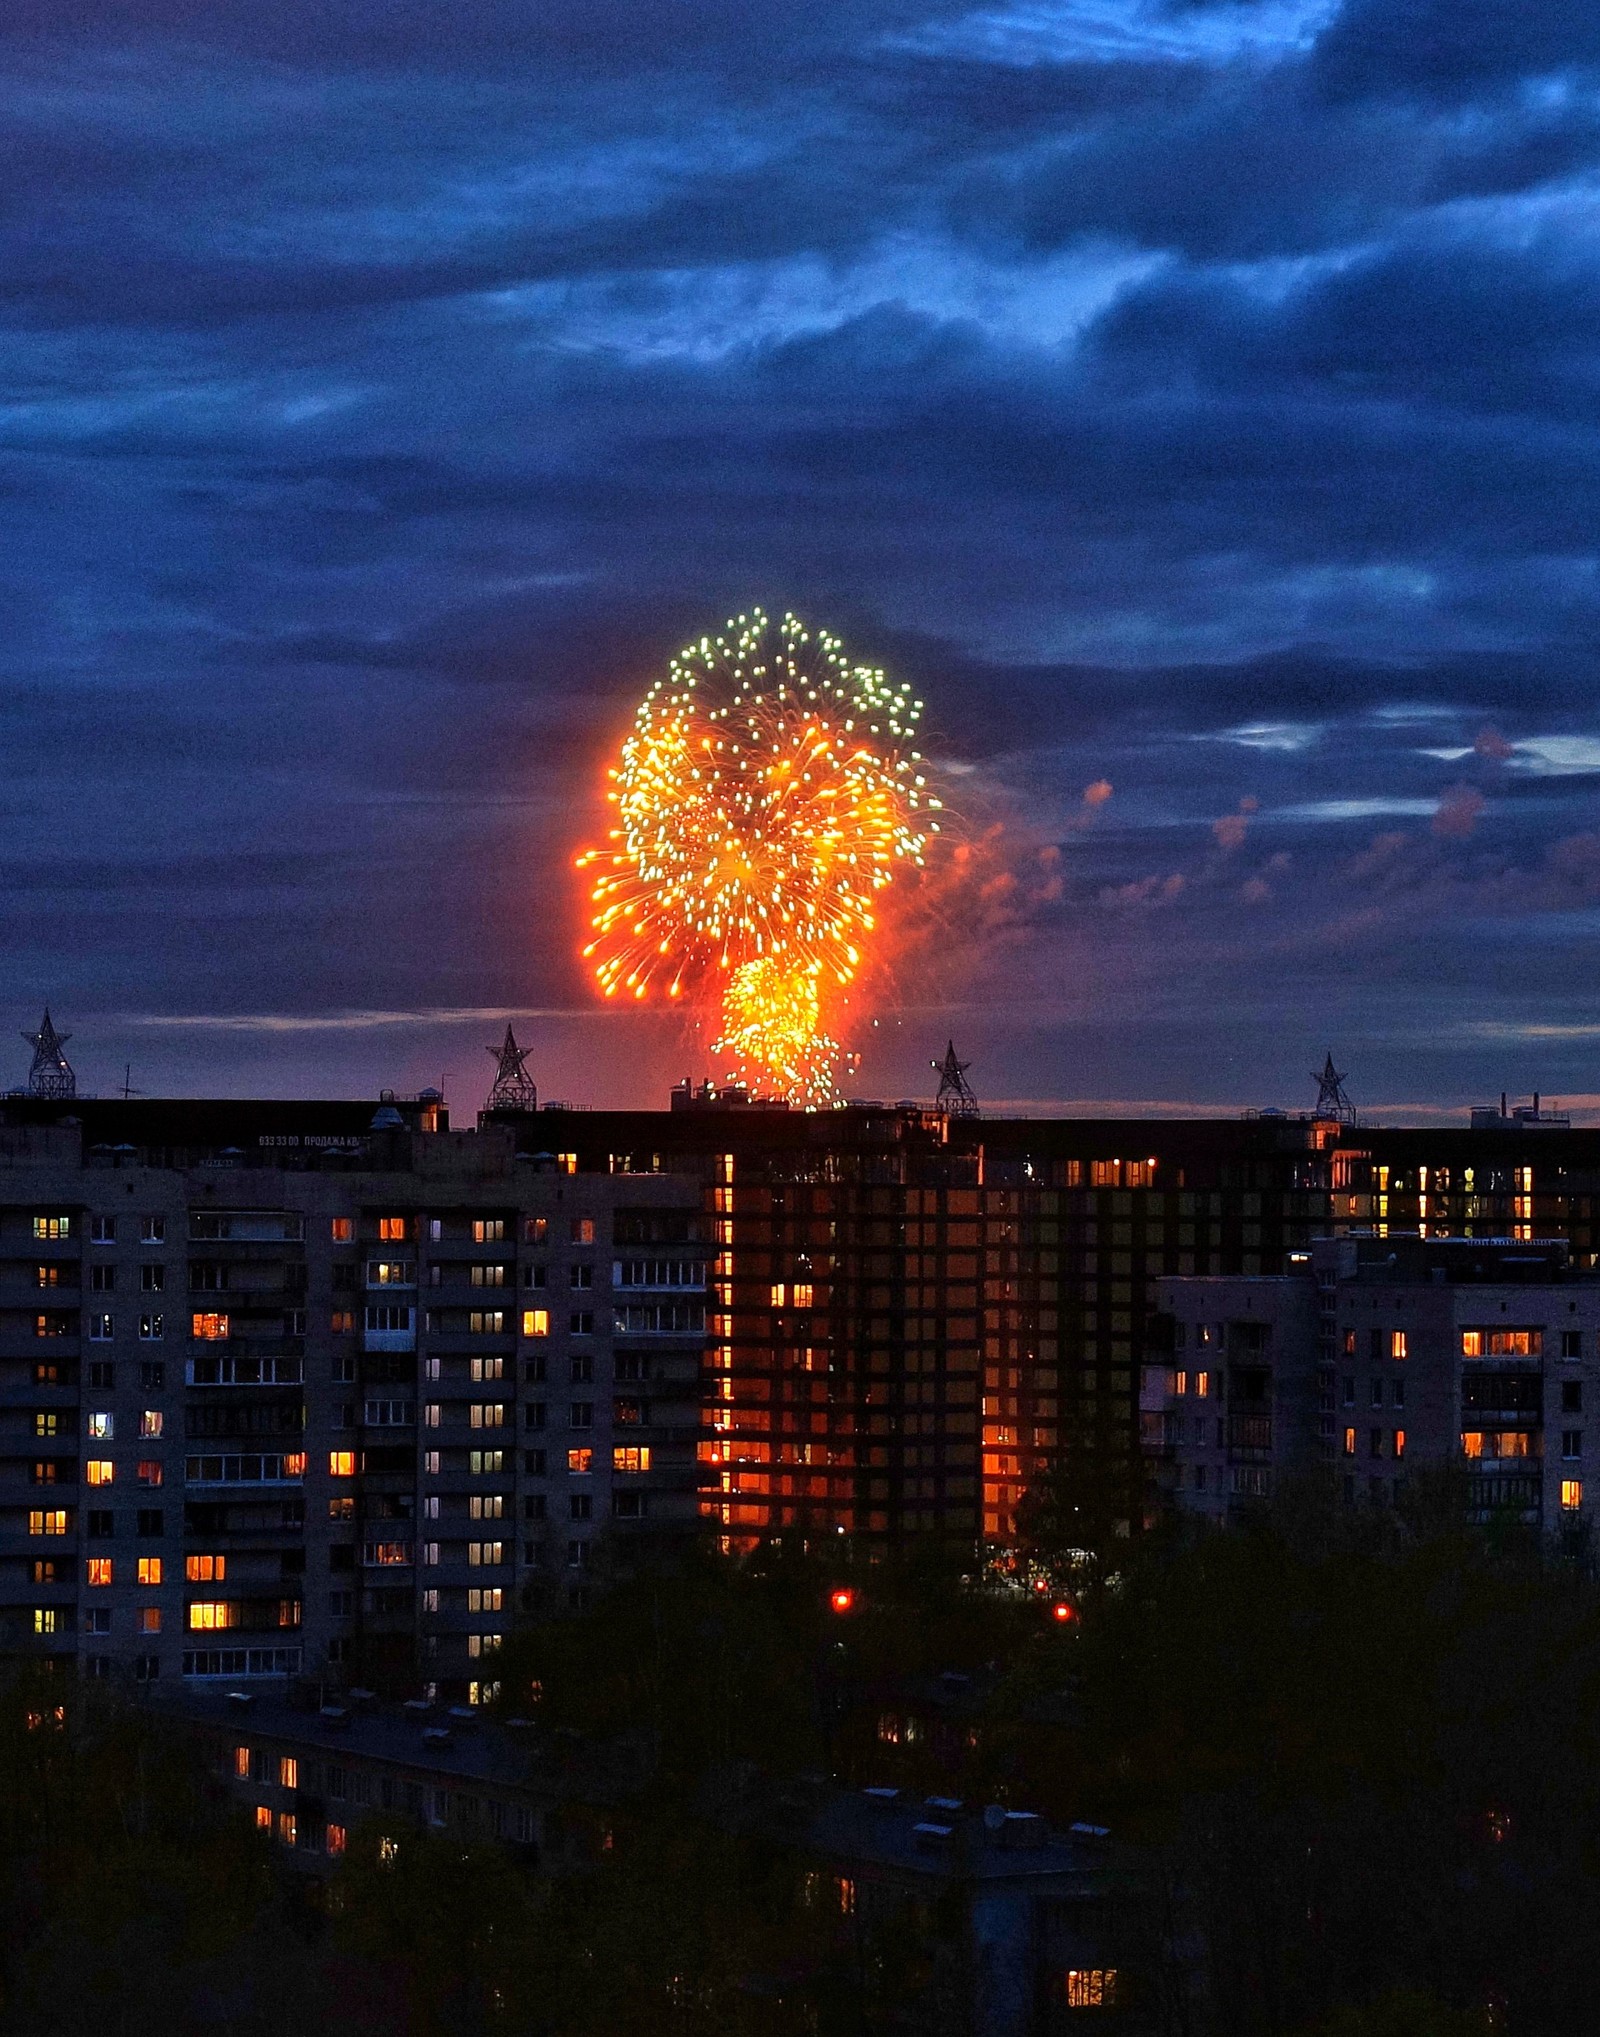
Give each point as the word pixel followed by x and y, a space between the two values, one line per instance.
pixel 307 1388
pixel 1377 1359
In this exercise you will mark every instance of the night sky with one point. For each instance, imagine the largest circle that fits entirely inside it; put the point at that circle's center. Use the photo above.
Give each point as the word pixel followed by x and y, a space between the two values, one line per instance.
pixel 1198 402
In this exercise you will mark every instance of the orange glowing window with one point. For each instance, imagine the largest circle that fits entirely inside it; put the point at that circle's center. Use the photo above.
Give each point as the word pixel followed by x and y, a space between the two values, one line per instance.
pixel 1202 1384
pixel 149 1569
pixel 1571 1494
pixel 803 1292
pixel 536 1322
pixel 294 1464
pixel 1397 1343
pixel 288 1772
pixel 336 1841
pixel 393 1230
pixel 241 1763
pixel 631 1457
pixel 149 1471
pixel 149 1619
pixel 779 1290
pixel 1349 1442
pixel 210 1615
pixel 342 1230
pixel 263 1818
pixel 1091 1987
pixel 1180 1384
pixel 342 1322
pixel 97 1571
pixel 99 1471
pixel 341 1464
pixel 205 1569
pixel 580 1462
pixel 1399 1442
pixel 209 1326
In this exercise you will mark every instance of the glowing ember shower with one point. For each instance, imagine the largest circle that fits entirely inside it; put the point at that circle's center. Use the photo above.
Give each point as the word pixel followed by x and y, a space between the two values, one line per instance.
pixel 766 797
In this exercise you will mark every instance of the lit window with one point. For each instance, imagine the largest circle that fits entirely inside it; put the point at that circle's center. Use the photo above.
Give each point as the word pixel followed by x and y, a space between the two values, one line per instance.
pixel 778 1293
pixel 342 1322
pixel 205 1569
pixel 341 1464
pixel 342 1229
pixel 536 1322
pixel 98 1471
pixel 536 1230
pixel 263 1818
pixel 149 1569
pixel 149 1619
pixel 288 1772
pixel 580 1461
pixel 1202 1384
pixel 48 1424
pixel 392 1230
pixel 1180 1384
pixel 48 1521
pixel 1399 1442
pixel 97 1571
pixel 388 1851
pixel 631 1458
pixel 149 1471
pixel 150 1422
pixel 1091 1987
pixel 336 1841
pixel 486 1322
pixel 1397 1343
pixel 241 1763
pixel 53 1228
pixel 209 1615
pixel 1349 1442
pixel 46 1620
pixel 487 1414
pixel 1571 1494
pixel 491 1553
pixel 802 1294
pixel 209 1327
pixel 582 1229
pixel 294 1464
pixel 103 1426
pixel 286 1828
pixel 488 1230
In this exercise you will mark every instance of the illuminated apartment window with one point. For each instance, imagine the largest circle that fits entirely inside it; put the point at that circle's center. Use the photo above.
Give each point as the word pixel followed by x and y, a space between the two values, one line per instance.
pixel 1091 1987
pixel 1399 1442
pixel 46 1620
pixel 491 1553
pixel 294 1464
pixel 488 1598
pixel 48 1521
pixel 150 1422
pixel 263 1818
pixel 148 1471
pixel 487 1368
pixel 1349 1442
pixel 483 1644
pixel 1202 1384
pixel 482 1461
pixel 211 1615
pixel 102 1426
pixel 1180 1384
pixel 802 1294
pixel 633 1457
pixel 208 1326
pixel 205 1569
pixel 486 1506
pixel 97 1571
pixel 1571 1494
pixel 393 1230
pixel 287 1829
pixel 488 1230
pixel 54 1229
pixel 536 1322
pixel 342 1322
pixel 47 1425
pixel 487 1414
pixel 336 1841
pixel 1397 1343
pixel 341 1464
pixel 580 1462
pixel 149 1569
pixel 99 1471
pixel 149 1619
pixel 486 1322
pixel 47 1276
pixel 582 1230
pixel 536 1230
pixel 342 1230
pixel 241 1763
pixel 288 1772
pixel 779 1291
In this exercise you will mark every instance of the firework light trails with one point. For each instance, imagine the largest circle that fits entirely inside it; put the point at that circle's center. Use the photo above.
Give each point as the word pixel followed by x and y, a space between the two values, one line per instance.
pixel 767 795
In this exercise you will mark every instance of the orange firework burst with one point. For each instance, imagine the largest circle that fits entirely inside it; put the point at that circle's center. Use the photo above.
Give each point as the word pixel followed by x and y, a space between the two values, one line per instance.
pixel 765 798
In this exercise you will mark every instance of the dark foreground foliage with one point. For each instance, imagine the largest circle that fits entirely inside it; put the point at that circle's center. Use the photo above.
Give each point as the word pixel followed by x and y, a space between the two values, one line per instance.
pixel 1362 1754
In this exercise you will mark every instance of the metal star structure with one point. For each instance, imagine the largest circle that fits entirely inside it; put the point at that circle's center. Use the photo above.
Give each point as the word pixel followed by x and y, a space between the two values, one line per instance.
pixel 1332 1102
pixel 513 1087
pixel 955 1098
pixel 51 1073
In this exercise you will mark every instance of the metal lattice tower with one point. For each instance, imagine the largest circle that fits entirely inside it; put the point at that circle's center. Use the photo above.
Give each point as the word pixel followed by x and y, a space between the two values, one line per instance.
pixel 955 1096
pixel 1332 1102
pixel 51 1073
pixel 513 1087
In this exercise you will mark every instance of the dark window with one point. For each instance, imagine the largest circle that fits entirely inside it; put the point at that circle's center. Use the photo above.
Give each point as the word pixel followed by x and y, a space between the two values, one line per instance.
pixel 102 1524
pixel 151 1524
pixel 1572 1396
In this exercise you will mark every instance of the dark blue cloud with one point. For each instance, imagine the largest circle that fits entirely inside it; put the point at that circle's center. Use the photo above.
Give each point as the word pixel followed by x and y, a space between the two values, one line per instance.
pixel 1199 399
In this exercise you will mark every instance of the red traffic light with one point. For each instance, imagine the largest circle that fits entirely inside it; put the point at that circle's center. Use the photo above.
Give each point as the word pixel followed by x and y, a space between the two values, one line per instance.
pixel 1062 1611
pixel 843 1599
